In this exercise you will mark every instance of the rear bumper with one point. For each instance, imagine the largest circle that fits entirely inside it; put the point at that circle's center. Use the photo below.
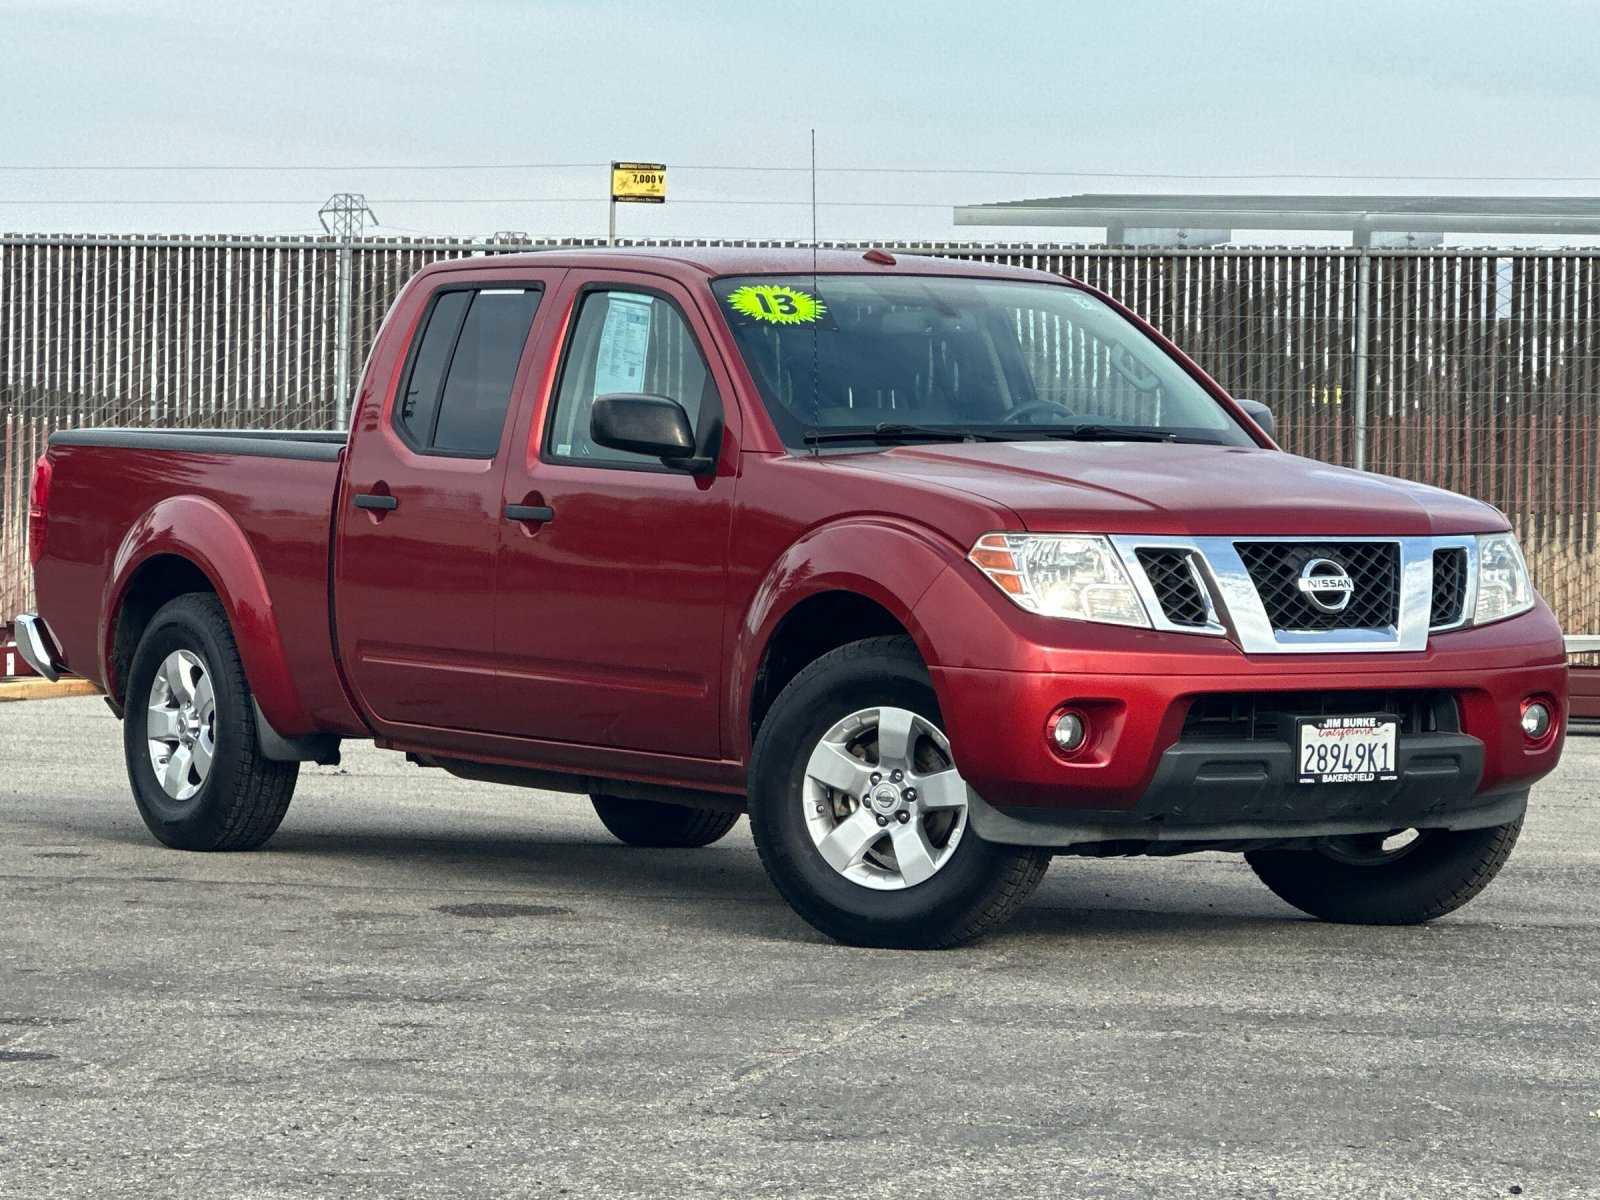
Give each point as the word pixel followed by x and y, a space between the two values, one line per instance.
pixel 1137 768
pixel 38 647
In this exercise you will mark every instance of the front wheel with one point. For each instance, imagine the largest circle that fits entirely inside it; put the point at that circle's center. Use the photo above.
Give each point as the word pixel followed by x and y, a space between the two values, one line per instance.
pixel 1403 878
pixel 189 735
pixel 860 815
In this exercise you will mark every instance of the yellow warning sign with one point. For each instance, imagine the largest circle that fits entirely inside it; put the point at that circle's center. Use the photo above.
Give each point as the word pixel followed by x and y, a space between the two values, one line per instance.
pixel 639 183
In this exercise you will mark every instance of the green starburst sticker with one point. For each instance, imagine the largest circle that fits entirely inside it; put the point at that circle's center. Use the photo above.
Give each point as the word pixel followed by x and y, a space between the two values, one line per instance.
pixel 776 302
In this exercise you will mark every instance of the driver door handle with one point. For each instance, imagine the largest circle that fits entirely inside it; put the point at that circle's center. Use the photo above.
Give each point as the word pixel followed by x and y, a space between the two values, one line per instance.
pixel 530 512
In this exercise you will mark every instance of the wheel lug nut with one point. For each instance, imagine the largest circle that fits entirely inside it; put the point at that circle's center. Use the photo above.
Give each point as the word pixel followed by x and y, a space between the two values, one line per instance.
pixel 876 778
pixel 902 816
pixel 897 776
pixel 883 821
pixel 911 793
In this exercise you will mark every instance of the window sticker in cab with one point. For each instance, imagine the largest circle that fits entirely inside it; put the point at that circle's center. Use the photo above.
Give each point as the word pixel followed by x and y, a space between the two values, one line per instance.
pixel 778 303
pixel 624 344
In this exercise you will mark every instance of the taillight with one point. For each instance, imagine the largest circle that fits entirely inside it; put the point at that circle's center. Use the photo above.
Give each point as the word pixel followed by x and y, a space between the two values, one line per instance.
pixel 38 502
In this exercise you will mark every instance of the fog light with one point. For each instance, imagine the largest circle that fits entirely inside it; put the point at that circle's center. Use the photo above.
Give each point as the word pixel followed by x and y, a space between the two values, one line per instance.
pixel 1069 732
pixel 1535 721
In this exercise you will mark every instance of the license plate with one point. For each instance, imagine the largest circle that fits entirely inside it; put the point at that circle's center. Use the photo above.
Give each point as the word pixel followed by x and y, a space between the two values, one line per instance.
pixel 1348 749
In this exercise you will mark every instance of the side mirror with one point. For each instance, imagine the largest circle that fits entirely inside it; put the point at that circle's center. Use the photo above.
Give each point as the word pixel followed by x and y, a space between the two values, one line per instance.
pixel 644 424
pixel 1261 415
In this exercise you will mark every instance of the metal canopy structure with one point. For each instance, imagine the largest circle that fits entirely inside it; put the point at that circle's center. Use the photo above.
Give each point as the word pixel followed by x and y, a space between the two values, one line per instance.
pixel 1360 216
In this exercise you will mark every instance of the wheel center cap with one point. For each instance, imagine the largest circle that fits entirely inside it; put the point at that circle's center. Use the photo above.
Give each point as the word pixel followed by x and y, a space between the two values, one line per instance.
pixel 885 798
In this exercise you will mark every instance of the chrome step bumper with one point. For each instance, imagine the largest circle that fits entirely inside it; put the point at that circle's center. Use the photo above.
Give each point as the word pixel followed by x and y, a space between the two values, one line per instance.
pixel 37 647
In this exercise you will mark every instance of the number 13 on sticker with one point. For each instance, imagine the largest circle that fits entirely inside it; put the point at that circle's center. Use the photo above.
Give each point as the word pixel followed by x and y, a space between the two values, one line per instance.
pixel 778 303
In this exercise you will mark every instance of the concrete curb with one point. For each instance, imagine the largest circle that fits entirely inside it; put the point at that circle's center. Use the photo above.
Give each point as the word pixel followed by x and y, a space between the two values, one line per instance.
pixel 41 689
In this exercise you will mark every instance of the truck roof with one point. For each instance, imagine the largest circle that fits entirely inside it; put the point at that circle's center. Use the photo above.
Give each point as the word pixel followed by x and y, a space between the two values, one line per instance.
pixel 755 260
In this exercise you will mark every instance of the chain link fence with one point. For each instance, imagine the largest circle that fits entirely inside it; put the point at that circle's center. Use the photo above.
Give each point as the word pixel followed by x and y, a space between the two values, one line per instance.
pixel 1476 371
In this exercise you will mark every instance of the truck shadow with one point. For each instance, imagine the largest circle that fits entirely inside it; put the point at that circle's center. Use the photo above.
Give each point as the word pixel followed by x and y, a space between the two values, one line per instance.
pixel 723 888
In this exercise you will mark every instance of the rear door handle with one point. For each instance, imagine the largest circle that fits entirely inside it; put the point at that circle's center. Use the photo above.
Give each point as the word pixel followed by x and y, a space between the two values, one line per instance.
pixel 377 503
pixel 530 512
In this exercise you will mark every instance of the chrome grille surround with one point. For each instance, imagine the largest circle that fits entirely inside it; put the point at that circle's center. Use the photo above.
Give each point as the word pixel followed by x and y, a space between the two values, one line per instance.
pixel 1237 610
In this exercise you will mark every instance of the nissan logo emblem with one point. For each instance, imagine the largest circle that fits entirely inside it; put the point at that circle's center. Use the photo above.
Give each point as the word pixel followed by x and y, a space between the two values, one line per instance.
pixel 1326 585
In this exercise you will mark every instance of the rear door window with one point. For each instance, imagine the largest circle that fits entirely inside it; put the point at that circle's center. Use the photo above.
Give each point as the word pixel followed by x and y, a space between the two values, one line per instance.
pixel 459 387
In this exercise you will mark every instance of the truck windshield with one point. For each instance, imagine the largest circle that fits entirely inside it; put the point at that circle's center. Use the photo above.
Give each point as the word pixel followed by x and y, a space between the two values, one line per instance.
pixel 875 359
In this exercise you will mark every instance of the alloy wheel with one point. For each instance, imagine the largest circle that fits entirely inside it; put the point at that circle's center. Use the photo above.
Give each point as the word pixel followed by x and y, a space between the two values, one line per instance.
pixel 181 724
pixel 884 804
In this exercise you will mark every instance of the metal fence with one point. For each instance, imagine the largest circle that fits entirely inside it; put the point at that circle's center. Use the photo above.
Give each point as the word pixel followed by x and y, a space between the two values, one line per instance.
pixel 1475 371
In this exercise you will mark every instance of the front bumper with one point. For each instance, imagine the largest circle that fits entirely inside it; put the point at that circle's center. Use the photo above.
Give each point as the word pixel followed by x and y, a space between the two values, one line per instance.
pixel 1138 773
pixel 1212 792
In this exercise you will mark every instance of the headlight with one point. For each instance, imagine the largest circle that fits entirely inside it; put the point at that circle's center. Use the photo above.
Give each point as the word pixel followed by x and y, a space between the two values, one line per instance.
pixel 1503 586
pixel 1061 575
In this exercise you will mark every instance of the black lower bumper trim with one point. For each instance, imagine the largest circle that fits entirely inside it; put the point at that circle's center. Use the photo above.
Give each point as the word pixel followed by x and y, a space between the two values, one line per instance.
pixel 1215 791
pixel 1199 782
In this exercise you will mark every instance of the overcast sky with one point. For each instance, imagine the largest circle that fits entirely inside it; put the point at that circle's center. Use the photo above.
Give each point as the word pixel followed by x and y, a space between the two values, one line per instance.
pixel 1418 88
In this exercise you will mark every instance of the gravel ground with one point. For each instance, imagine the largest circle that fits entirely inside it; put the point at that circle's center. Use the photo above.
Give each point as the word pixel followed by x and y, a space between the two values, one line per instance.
pixel 425 987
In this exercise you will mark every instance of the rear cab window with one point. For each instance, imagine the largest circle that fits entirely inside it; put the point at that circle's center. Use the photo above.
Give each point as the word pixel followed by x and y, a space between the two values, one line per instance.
pixel 457 386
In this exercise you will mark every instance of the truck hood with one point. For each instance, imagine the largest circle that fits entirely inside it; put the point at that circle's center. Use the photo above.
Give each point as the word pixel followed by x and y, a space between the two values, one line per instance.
pixel 1180 489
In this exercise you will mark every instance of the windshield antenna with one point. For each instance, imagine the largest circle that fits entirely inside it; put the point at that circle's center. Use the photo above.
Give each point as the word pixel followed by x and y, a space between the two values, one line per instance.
pixel 816 291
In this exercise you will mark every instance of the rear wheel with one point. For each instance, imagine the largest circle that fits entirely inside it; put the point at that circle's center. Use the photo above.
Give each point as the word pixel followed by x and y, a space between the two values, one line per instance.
pixel 860 815
pixel 656 823
pixel 189 735
pixel 1401 878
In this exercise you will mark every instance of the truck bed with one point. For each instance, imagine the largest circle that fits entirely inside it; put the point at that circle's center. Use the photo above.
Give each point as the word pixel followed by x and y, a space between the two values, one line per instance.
pixel 117 493
pixel 314 445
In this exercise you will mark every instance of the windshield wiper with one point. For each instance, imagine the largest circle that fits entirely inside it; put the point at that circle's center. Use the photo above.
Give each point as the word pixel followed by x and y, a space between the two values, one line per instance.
pixel 1100 433
pixel 890 431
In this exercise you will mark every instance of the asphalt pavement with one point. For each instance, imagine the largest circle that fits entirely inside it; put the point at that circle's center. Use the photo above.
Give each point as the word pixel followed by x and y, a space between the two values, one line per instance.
pixel 429 988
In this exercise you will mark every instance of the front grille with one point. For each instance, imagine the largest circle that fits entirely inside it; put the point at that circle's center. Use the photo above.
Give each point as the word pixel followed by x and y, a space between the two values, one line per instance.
pixel 1270 716
pixel 1177 588
pixel 1373 567
pixel 1449 586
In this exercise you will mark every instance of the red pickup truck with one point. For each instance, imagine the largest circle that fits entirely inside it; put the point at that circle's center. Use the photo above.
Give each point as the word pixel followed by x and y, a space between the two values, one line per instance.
pixel 935 569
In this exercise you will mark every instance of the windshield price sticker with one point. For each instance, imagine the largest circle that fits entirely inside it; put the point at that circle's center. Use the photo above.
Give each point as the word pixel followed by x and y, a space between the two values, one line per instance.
pixel 778 303
pixel 1348 749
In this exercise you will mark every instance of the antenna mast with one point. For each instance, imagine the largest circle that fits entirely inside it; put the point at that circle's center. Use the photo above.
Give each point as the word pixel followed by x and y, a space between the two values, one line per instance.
pixel 813 206
pixel 815 290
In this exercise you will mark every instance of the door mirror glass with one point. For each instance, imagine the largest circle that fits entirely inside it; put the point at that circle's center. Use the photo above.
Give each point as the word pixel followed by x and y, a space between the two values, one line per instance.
pixel 1260 414
pixel 642 424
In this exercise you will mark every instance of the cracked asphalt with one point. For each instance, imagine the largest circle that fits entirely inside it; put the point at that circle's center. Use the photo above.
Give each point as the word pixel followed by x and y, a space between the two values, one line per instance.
pixel 429 988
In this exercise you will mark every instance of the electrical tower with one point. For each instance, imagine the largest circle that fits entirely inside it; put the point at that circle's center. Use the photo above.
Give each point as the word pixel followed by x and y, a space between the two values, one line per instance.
pixel 344 215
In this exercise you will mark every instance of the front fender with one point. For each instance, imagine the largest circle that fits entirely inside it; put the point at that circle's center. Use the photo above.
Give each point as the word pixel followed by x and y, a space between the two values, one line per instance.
pixel 201 531
pixel 890 561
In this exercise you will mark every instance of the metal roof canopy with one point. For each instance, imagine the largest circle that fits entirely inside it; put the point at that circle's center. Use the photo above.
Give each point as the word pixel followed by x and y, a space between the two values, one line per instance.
pixel 1362 216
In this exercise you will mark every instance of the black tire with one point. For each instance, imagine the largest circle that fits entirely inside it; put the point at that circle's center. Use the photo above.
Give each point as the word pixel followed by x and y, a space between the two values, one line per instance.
pixel 244 795
pixel 658 824
pixel 1439 873
pixel 980 886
